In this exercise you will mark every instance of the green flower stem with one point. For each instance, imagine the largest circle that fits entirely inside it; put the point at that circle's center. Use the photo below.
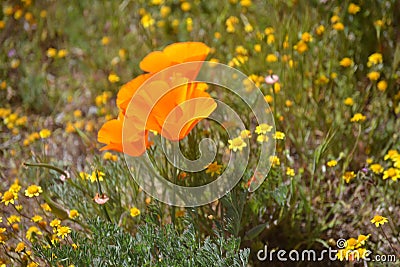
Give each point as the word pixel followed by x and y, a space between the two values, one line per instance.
pixel 101 193
pixel 350 156
pixel 390 243
pixel 47 166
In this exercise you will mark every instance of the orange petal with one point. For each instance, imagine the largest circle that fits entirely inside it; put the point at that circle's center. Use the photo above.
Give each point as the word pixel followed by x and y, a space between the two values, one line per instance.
pixel 184 118
pixel 133 143
pixel 111 135
pixel 155 61
pixel 145 104
pixel 128 90
pixel 134 137
pixel 187 51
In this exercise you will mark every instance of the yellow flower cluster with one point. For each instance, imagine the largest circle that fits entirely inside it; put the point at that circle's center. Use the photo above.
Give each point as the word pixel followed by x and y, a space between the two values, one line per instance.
pixel 353 249
pixel 53 52
pixel 12 120
pixel 392 168
pixel 231 23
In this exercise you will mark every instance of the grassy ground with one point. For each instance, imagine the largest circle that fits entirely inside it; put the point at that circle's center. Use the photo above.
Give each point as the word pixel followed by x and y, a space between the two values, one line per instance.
pixel 337 103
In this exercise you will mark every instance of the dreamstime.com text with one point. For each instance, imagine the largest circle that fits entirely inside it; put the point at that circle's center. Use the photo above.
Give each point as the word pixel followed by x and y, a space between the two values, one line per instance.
pixel 314 256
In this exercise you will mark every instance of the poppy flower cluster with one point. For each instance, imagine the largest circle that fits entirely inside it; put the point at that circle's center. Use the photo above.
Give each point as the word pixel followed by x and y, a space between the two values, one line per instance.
pixel 165 100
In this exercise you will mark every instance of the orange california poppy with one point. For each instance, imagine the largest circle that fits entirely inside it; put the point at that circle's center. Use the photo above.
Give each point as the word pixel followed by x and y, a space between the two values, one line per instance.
pixel 121 136
pixel 150 104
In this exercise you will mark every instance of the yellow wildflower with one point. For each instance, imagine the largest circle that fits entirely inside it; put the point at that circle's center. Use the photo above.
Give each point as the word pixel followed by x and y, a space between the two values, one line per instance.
pixel 269 99
pixel 346 62
pixel 373 75
pixel 301 47
pixel 331 163
pixel 44 133
pixel 62 53
pixel 271 58
pixel 31 232
pixel 134 212
pixel 248 28
pixel 189 24
pixel 320 30
pixel 8 10
pixel 353 8
pixel 45 207
pixel 237 144
pixel 392 173
pixel 73 214
pixel 306 37
pixel 245 134
pixel 55 223
pixel 374 59
pixel 269 30
pixel 164 11
pixel 37 218
pixel 348 101
pixel 245 3
pixel 358 117
pixel 147 20
pixel 43 14
pixel 277 87
pixel 262 138
pixel 13 219
pixel 63 231
pixel 51 52
pixel 186 6
pixel 379 23
pixel 20 247
pixel 382 85
pixel 214 168
pixel 391 154
pixel 3 85
pixel 279 135
pixel 96 175
pixel 379 220
pixel 113 78
pixel 9 197
pixel 338 26
pixel 335 19
pixel 351 243
pixel 105 40
pixel 110 156
pixel 157 2
pixel 33 191
pixel 290 172
pixel 348 176
pixel 361 239
pixel 270 39
pixel 376 168
pixel 274 160
pixel 15 63
pixel 263 128
pixel 230 24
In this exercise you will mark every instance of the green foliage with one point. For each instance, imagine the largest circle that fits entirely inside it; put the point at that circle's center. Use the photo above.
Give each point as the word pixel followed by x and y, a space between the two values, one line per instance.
pixel 152 245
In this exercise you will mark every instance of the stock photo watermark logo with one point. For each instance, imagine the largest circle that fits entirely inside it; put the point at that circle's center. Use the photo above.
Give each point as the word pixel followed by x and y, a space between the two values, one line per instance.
pixel 344 252
pixel 171 103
